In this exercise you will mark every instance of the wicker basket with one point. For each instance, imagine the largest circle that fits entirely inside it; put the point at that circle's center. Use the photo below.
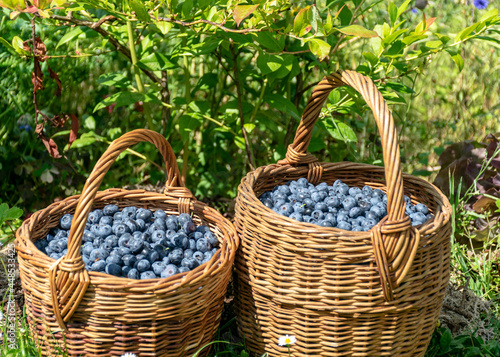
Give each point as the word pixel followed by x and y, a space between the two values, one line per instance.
pixel 94 314
pixel 341 293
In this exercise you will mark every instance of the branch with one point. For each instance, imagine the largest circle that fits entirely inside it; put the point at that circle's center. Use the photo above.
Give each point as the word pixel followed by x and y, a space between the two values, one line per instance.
pixel 201 21
pixel 251 160
pixel 96 26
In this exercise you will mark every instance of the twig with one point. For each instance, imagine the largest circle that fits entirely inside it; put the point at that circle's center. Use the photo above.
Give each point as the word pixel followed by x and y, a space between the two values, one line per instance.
pixel 251 160
pixel 96 26
pixel 165 98
pixel 202 21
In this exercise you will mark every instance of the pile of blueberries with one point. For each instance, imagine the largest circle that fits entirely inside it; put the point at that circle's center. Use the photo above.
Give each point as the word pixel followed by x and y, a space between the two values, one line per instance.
pixel 135 243
pixel 338 205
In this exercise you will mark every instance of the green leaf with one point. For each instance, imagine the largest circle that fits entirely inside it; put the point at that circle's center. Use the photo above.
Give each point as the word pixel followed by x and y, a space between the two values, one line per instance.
pixel 316 144
pixel 489 15
pixel 339 130
pixel 399 87
pixel 140 11
pixel 301 24
pixel 9 214
pixel 249 127
pixel 69 36
pixel 282 104
pixel 392 37
pixel 13 4
pixel 313 17
pixel 457 58
pixel 402 8
pixel 121 99
pixel 17 44
pixel 466 32
pixel 164 26
pixel 393 13
pixel 272 63
pixel 487 38
pixel 413 38
pixel 85 139
pixel 371 58
pixel 269 41
pixel 187 123
pixel 156 62
pixel 319 48
pixel 357 30
pixel 328 23
pixel 187 6
pixel 114 79
pixel 396 50
pixel 241 12
pixel 445 341
pixel 9 47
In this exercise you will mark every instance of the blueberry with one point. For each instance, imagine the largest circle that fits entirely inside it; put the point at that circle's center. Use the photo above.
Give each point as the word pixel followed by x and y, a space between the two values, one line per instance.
pixel 148 275
pixel 99 265
pixel 367 191
pixel 321 206
pixel 169 270
pixel 145 236
pixel 192 244
pixel 332 218
pixel 85 260
pixel 125 270
pixel 183 218
pixel 152 256
pixel 140 225
pixel 378 193
pixel 98 254
pixel 106 220
pixel 172 223
pixel 323 186
pixel 117 217
pixel 180 240
pixel 95 216
pixel 176 256
pixel 104 230
pixel 158 236
pixel 88 236
pixel 203 245
pixel 286 209
pixel 207 256
pixel 369 223
pixel 124 240
pixel 421 208
pixel 302 182
pixel 160 223
pixel 114 269
pixel 196 235
pixel 136 245
pixel 317 214
pixel 349 203
pixel 50 237
pixel 297 216
pixel 133 274
pixel 129 212
pixel 98 241
pixel 129 260
pixel 65 221
pixel 189 263
pixel 364 205
pixel 332 201
pixel 54 256
pixel 158 267
pixel 354 212
pixel 325 223
pixel 130 223
pixel 144 214
pixel 344 225
pixel 188 253
pixel 110 210
pixel 143 265
pixel 162 250
pixel 137 235
pixel 120 229
pixel 299 207
pixel 160 214
pixel 189 227
pixel 114 259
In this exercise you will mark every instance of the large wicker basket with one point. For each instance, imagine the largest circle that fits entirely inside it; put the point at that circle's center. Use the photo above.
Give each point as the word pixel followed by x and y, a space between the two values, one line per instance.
pixel 341 293
pixel 86 313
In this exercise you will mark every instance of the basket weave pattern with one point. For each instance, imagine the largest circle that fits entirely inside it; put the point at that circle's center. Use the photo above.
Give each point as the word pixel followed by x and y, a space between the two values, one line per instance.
pixel 95 314
pixel 341 293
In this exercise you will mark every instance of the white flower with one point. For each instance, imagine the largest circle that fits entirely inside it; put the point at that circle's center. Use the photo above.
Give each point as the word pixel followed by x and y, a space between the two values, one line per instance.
pixel 129 354
pixel 1 315
pixel 286 340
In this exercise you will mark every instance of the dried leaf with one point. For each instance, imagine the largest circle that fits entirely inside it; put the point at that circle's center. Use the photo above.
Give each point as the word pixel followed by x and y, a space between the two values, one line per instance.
pixel 243 11
pixel 39 129
pixel 37 76
pixel 51 147
pixel 55 77
pixel 73 134
pixel 41 49
pixel 26 46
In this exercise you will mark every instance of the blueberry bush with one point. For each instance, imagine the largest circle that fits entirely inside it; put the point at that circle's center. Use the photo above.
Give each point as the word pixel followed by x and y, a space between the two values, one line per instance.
pixel 225 82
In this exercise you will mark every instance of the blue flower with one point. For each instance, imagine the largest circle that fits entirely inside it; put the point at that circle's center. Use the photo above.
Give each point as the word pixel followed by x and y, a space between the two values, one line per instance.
pixel 26 127
pixel 415 11
pixel 481 4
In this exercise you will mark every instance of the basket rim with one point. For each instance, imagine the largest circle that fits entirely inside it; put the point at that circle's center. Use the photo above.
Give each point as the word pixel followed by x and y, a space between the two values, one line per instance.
pixel 277 218
pixel 225 254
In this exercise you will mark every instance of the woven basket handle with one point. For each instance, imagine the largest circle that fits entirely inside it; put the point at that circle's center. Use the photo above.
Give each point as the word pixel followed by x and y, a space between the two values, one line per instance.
pixel 68 278
pixel 393 246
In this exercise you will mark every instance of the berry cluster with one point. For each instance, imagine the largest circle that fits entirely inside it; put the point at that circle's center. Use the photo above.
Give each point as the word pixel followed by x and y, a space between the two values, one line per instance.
pixel 341 206
pixel 135 243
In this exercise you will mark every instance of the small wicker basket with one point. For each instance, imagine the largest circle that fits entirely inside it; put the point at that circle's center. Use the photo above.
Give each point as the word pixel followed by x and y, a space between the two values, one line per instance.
pixel 81 313
pixel 341 293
